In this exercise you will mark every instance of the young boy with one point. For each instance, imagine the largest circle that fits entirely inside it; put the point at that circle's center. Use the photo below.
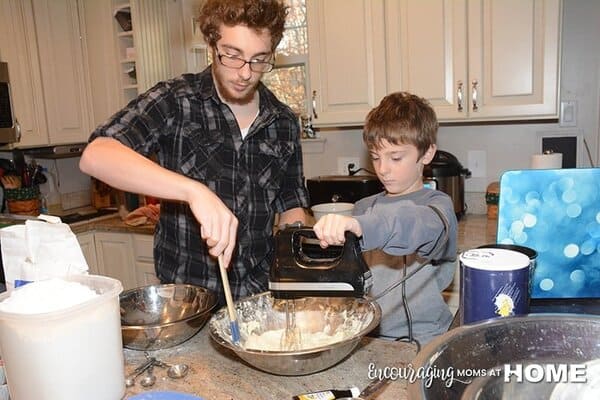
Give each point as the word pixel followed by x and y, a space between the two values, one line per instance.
pixel 408 224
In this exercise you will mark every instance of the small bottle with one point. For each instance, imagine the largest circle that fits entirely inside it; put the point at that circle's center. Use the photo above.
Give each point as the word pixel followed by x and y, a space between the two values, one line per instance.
pixel 43 205
pixel 331 394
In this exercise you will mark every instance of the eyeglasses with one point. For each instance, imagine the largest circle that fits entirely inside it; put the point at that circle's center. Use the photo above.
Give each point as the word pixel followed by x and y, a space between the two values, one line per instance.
pixel 237 63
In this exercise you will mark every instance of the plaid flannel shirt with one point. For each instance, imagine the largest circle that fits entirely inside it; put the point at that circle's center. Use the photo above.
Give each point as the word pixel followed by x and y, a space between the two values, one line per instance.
pixel 192 132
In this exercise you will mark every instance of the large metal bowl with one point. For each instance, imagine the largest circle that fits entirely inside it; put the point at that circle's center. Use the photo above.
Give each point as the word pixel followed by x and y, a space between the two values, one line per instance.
pixel 261 313
pixel 537 342
pixel 160 316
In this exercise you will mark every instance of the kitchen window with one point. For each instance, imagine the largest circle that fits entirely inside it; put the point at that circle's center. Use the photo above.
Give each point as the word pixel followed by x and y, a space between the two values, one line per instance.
pixel 288 80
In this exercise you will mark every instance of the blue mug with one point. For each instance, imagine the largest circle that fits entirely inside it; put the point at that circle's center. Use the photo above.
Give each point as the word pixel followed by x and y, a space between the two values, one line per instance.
pixel 494 283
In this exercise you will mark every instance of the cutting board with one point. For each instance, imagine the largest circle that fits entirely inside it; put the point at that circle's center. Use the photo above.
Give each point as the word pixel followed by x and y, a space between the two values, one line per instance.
pixel 557 213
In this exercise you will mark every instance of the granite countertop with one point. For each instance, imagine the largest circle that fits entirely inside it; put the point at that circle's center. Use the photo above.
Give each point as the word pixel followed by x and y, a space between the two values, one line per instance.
pixel 218 374
pixel 111 223
pixel 473 229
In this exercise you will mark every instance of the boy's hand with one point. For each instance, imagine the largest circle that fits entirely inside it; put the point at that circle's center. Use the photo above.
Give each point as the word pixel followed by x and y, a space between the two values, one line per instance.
pixel 330 229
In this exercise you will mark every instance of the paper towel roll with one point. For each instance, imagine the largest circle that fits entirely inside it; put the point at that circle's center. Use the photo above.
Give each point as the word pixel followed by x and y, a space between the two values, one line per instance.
pixel 546 161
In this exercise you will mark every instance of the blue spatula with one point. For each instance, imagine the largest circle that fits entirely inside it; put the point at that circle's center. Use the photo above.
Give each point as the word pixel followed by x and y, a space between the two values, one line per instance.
pixel 235 329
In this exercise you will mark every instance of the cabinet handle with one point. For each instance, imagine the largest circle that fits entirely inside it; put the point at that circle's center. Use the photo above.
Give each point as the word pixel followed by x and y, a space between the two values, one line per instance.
pixel 17 130
pixel 459 96
pixel 474 95
pixel 314 104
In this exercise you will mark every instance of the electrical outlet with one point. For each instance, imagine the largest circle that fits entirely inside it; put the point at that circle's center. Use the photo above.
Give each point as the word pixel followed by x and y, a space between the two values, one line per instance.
pixel 477 163
pixel 568 113
pixel 344 162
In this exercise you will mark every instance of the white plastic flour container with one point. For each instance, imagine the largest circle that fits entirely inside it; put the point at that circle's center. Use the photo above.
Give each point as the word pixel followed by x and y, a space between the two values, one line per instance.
pixel 74 353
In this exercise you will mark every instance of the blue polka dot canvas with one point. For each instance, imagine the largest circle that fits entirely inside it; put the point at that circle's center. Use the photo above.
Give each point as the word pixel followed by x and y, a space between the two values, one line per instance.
pixel 557 213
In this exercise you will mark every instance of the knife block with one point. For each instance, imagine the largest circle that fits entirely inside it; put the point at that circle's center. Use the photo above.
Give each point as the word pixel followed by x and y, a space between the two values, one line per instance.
pixel 101 194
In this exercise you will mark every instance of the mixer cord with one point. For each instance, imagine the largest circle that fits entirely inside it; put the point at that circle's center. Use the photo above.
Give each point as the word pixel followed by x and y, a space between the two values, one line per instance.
pixel 409 338
pixel 406 276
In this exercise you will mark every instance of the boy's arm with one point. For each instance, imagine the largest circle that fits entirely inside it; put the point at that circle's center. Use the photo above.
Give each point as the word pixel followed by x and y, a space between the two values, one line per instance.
pixel 404 227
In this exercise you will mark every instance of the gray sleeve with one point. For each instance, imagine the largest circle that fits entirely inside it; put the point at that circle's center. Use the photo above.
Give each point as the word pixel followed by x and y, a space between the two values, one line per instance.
pixel 405 227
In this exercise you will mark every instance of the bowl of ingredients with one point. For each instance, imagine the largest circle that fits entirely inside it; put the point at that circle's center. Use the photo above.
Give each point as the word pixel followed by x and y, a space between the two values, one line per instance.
pixel 541 356
pixel 327 329
pixel 340 208
pixel 160 316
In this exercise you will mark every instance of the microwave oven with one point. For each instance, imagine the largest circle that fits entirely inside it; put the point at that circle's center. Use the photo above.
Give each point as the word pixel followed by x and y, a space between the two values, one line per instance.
pixel 10 131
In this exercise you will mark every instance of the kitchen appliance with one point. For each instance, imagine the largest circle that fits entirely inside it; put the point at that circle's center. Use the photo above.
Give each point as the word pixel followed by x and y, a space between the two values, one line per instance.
pixel 446 173
pixel 10 130
pixel 55 151
pixel 302 268
pixel 342 188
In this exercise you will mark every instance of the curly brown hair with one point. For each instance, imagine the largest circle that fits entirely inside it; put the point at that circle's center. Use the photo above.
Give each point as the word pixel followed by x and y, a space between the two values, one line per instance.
pixel 255 14
pixel 401 118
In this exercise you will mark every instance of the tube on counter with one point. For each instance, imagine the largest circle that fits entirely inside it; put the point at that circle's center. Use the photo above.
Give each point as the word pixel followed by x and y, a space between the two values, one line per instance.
pixel 331 394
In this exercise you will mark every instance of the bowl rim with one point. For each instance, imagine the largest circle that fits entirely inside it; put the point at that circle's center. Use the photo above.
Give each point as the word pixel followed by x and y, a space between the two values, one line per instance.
pixel 376 308
pixel 432 350
pixel 324 207
pixel 212 304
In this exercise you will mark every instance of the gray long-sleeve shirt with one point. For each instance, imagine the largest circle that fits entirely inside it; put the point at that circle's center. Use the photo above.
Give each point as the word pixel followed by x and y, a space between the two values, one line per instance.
pixel 399 230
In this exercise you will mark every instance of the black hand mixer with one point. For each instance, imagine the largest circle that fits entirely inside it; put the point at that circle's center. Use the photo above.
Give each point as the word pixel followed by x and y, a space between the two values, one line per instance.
pixel 303 269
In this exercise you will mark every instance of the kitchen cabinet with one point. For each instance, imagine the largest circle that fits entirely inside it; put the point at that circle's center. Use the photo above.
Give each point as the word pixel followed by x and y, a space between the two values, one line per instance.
pixel 114 252
pixel 88 247
pixel 42 42
pixel 126 50
pixel 128 257
pixel 143 250
pixel 102 59
pixel 474 60
pixel 346 59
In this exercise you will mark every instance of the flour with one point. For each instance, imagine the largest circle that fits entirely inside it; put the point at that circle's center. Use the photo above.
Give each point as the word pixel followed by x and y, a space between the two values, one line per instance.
pixel 46 296
pixel 271 340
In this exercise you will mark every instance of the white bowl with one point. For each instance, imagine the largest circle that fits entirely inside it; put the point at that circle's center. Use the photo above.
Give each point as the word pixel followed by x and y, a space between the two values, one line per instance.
pixel 320 210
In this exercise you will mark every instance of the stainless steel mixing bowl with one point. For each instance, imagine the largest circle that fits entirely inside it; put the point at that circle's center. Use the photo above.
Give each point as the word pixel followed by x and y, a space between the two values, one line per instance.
pixel 261 313
pixel 535 340
pixel 159 316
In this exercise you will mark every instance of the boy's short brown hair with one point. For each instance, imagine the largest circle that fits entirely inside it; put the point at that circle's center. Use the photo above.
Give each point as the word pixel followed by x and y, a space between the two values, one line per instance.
pixel 255 14
pixel 401 118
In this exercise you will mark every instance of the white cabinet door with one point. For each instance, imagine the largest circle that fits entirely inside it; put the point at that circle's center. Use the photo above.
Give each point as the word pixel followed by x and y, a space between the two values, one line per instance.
pixel 42 42
pixel 143 249
pixel 65 80
pixel 88 247
pixel 346 59
pixel 426 51
pixel 476 60
pixel 102 59
pixel 115 257
pixel 18 47
pixel 144 273
pixel 514 50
